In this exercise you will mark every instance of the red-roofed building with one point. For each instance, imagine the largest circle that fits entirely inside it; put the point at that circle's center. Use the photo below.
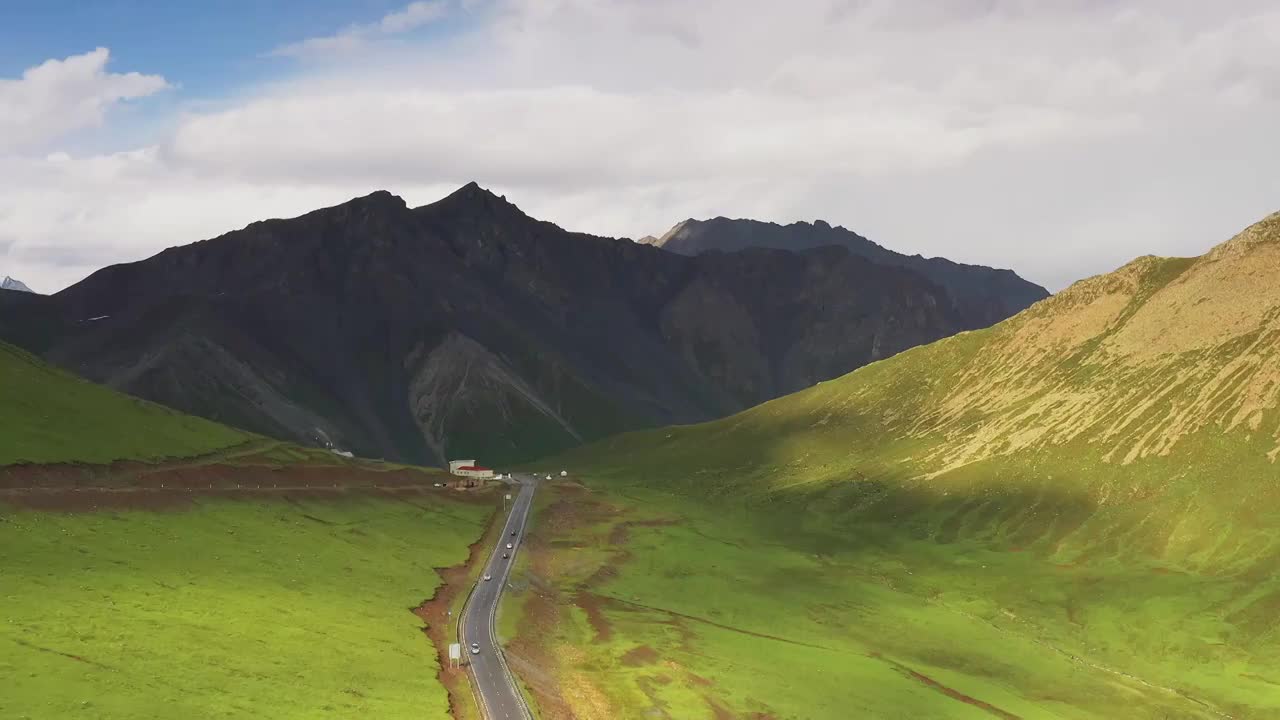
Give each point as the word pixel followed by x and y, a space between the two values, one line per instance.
pixel 469 468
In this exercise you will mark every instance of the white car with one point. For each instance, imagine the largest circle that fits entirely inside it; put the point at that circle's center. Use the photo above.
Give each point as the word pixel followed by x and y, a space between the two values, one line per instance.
pixel 509 546
pixel 475 648
pixel 487 577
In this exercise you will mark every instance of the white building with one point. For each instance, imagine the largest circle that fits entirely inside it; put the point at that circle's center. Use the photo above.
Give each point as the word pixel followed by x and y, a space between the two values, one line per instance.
pixel 469 469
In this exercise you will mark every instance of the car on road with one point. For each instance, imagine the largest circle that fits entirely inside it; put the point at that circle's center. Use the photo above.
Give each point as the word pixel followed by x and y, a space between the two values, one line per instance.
pixel 513 533
pixel 487 577
pixel 475 648
pixel 509 546
pixel 506 555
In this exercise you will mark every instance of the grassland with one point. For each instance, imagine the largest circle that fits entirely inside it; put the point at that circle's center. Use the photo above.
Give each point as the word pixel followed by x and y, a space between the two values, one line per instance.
pixel 47 415
pixel 644 604
pixel 227 608
pixel 138 580
pixel 1070 515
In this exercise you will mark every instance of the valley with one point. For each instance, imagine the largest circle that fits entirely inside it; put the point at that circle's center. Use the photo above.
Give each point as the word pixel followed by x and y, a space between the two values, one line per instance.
pixel 639 360
pixel 1062 515
pixel 1058 516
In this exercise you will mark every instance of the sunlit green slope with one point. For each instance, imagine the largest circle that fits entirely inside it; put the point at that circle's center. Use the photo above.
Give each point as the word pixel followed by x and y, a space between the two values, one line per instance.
pixel 1144 399
pixel 47 415
pixel 1072 514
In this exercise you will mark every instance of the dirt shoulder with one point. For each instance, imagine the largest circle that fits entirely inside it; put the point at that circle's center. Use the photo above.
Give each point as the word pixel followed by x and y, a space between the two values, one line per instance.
pixel 441 612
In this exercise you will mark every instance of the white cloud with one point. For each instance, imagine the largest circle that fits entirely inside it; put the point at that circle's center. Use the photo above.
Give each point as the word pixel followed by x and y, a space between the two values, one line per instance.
pixel 411 17
pixel 60 96
pixel 62 217
pixel 1060 139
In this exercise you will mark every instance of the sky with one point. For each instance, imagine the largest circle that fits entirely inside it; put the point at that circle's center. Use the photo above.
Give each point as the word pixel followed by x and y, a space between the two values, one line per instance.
pixel 1060 138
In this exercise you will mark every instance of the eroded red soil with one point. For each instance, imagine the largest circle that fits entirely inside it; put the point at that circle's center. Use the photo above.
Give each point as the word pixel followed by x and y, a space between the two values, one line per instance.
pixel 132 485
pixel 435 613
pixel 639 656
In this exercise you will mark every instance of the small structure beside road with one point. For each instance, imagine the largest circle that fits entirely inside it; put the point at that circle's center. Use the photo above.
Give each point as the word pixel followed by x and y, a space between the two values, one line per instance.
pixel 469 469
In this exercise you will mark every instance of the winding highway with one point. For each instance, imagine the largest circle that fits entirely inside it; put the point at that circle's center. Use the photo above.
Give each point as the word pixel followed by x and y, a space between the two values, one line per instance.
pixel 495 686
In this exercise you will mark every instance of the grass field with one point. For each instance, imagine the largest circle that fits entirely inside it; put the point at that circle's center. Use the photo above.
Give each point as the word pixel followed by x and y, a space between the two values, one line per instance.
pixel 639 604
pixel 227 609
pixel 47 415
pixel 156 588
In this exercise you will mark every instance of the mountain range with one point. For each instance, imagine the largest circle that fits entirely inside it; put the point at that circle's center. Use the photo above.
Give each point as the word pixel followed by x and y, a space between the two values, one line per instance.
pixel 983 295
pixel 466 327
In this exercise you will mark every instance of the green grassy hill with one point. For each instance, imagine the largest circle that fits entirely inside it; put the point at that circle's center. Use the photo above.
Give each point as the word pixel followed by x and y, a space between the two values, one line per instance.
pixel 1148 398
pixel 130 600
pixel 1071 514
pixel 48 415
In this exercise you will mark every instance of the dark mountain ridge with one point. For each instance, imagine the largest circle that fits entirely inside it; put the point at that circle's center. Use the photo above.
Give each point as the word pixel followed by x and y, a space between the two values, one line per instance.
pixel 465 327
pixel 983 295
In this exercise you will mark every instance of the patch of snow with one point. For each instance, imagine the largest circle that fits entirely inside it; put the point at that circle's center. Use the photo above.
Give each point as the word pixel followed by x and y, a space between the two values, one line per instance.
pixel 343 453
pixel 11 284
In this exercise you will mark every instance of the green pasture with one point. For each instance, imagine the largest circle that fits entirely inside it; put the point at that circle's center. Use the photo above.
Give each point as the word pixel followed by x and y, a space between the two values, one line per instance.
pixel 725 606
pixel 226 609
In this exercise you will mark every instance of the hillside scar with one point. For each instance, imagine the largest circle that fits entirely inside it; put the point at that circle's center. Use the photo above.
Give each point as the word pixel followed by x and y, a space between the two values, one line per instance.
pixel 949 692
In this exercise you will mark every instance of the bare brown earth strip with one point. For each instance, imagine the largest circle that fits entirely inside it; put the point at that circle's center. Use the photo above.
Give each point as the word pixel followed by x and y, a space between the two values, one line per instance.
pixel 641 655
pixel 535 653
pixel 69 656
pixel 949 692
pixel 712 623
pixel 542 659
pixel 621 532
pixel 531 658
pixel 1259 678
pixel 173 485
pixel 718 711
pixel 591 604
pixel 89 499
pixel 434 611
pixel 244 473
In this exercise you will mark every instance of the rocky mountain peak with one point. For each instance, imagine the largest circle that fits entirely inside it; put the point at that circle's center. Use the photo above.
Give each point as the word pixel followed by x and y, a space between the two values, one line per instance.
pixel 378 201
pixel 474 201
pixel 1265 231
pixel 12 284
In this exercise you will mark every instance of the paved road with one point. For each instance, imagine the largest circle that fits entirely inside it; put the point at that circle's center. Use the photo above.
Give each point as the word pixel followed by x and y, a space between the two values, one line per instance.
pixel 493 681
